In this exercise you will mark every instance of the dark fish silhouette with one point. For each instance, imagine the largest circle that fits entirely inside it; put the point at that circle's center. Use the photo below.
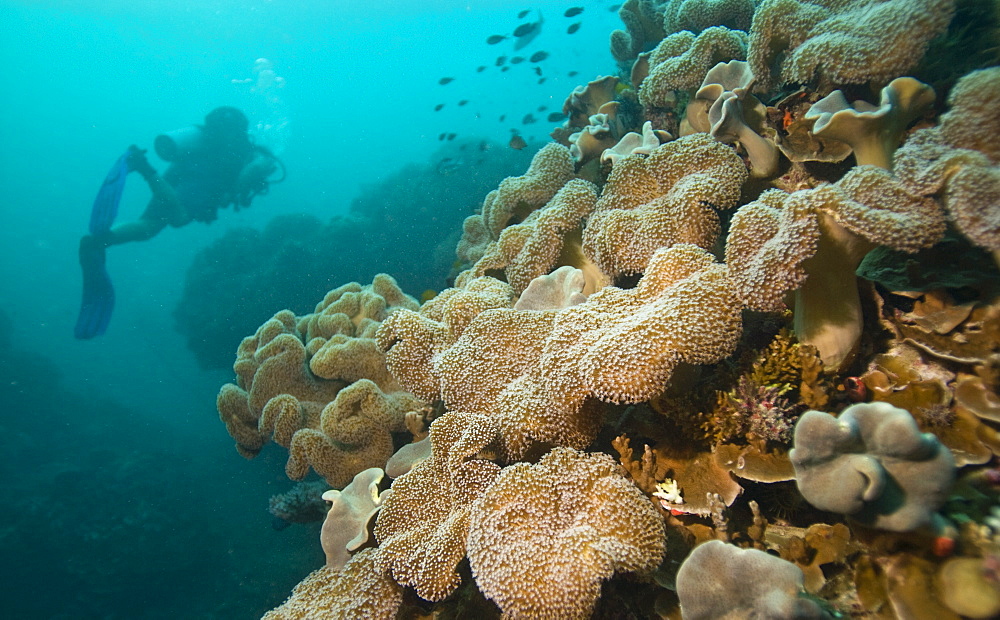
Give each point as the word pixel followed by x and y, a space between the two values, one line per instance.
pixel 480 68
pixel 451 136
pixel 441 137
pixel 542 80
pixel 573 73
pixel 504 68
pixel 573 28
pixel 574 11
pixel 438 107
pixel 502 117
pixel 614 7
pixel 446 80
pixel 523 13
pixel 542 108
pixel 528 32
pixel 525 29
pixel 463 102
pixel 516 60
pixel 494 39
pixel 539 56
pixel 528 119
pixel 501 60
pixel 538 70
pixel 555 117
pixel 517 142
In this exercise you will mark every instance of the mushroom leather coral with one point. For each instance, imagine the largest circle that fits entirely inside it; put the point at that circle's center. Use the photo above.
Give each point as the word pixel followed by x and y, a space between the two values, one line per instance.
pixel 345 528
pixel 720 581
pixel 543 537
pixel 841 41
pixel 667 198
pixel 681 60
pixel 812 241
pixel 874 464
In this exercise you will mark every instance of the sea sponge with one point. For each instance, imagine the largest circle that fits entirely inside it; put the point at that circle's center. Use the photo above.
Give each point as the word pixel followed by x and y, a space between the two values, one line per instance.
pixel 667 198
pixel 543 537
pixel 515 198
pixel 681 61
pixel 873 132
pixel 359 590
pixel 534 247
pixel 873 464
pixel 841 41
pixel 423 526
pixel 811 241
pixel 345 528
pixel 720 581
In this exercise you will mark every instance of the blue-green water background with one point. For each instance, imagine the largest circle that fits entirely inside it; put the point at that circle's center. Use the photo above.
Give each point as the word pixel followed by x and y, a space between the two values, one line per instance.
pixel 124 497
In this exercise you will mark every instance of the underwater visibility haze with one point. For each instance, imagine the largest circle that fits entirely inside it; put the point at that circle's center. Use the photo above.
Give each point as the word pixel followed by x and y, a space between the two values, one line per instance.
pixel 680 309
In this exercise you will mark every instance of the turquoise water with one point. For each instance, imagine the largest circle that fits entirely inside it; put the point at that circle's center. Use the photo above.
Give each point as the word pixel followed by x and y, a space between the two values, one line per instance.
pixel 124 496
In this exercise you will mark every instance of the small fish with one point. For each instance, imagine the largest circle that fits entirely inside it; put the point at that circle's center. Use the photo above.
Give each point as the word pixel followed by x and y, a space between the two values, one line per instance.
pixel 446 80
pixel 494 39
pixel 614 7
pixel 573 28
pixel 542 80
pixel 555 117
pixel 463 102
pixel 525 29
pixel 480 68
pixel 504 68
pixel 441 137
pixel 542 108
pixel 523 13
pixel 438 107
pixel 539 56
pixel 502 117
pixel 538 70
pixel 516 60
pixel 517 142
pixel 528 119
pixel 501 60
pixel 573 73
pixel 451 136
pixel 573 12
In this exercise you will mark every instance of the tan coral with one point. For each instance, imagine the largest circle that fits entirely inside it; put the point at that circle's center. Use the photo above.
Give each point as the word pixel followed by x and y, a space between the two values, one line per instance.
pixel 812 241
pixel 543 537
pixel 842 41
pixel 667 198
pixel 698 15
pixel 533 248
pixel 423 526
pixel 560 289
pixel 515 198
pixel 643 21
pixel 681 61
pixel 585 101
pixel 359 590
pixel 873 132
pixel 353 434
pixel 345 528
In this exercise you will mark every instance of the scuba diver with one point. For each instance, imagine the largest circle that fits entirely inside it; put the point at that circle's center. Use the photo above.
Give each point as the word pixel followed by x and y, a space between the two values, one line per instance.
pixel 212 166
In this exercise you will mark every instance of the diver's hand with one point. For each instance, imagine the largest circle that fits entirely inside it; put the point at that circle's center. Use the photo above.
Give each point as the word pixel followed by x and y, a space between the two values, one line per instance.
pixel 136 160
pixel 253 179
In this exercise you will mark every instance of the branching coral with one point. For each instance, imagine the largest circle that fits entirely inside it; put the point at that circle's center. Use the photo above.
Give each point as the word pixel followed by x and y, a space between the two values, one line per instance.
pixel 543 537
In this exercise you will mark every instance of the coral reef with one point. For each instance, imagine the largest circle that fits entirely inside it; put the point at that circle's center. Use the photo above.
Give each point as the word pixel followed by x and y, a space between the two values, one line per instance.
pixel 792 441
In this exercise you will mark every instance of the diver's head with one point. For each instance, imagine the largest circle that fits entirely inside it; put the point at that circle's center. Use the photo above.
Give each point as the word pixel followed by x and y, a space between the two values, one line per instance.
pixel 226 122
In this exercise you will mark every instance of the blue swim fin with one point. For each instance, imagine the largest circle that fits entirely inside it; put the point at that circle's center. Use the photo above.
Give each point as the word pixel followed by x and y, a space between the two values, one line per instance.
pixel 105 208
pixel 98 293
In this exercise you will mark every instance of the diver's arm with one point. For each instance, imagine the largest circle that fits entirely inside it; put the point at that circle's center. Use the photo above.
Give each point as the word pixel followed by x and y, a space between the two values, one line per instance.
pixel 253 178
